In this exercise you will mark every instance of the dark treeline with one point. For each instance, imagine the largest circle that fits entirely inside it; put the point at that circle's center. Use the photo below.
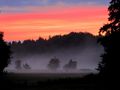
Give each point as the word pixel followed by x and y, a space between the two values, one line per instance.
pixel 75 46
pixel 54 43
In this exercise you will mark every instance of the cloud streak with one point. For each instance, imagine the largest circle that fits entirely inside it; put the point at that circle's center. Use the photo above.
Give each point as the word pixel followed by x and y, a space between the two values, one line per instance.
pixel 24 19
pixel 51 21
pixel 49 2
pixel 10 6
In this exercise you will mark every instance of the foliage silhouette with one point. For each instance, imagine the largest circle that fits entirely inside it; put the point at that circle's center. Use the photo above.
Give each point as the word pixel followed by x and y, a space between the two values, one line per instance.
pixel 41 45
pixel 26 66
pixel 4 53
pixel 109 66
pixel 18 65
pixel 54 64
pixel 71 65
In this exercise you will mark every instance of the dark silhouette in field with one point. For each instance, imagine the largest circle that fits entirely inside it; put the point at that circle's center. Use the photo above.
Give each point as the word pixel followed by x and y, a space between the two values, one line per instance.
pixel 4 53
pixel 26 66
pixel 109 66
pixel 18 64
pixel 71 65
pixel 54 64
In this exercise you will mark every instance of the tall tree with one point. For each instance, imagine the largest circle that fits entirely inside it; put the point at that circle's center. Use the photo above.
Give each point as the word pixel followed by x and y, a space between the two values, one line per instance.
pixel 4 53
pixel 110 32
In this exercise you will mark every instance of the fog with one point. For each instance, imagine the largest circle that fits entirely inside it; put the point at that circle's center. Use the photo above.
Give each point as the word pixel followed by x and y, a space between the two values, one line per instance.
pixel 81 49
pixel 87 58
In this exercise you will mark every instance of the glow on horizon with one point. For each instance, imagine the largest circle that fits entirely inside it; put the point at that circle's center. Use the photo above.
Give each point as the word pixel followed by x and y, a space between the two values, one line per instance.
pixel 31 25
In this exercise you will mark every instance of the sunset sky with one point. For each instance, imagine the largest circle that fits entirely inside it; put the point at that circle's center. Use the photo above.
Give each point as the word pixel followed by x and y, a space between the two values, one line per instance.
pixel 29 19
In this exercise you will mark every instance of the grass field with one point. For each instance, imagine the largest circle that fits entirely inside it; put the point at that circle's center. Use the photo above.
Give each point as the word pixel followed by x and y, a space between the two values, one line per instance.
pixel 44 76
pixel 49 81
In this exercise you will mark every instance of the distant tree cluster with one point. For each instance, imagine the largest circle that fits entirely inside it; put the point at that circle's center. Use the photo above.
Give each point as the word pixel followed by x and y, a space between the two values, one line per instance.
pixel 20 66
pixel 54 43
pixel 54 64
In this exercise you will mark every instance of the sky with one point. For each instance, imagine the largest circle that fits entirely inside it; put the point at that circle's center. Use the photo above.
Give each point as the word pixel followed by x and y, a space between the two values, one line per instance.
pixel 30 19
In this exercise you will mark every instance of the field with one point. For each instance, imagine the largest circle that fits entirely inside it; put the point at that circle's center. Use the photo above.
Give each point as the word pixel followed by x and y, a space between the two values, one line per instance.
pixel 50 81
pixel 35 77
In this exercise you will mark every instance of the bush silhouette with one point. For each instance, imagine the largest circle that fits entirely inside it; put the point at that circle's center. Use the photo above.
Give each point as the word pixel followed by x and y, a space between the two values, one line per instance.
pixel 4 53
pixel 18 65
pixel 71 65
pixel 54 64
pixel 26 66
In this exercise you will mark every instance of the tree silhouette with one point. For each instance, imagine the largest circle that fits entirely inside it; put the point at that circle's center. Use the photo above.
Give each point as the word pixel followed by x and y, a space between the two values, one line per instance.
pixel 110 32
pixel 71 65
pixel 26 66
pixel 54 63
pixel 4 53
pixel 18 65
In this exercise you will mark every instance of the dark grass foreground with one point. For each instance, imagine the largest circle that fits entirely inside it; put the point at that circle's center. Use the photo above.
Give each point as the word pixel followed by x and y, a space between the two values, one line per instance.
pixel 89 82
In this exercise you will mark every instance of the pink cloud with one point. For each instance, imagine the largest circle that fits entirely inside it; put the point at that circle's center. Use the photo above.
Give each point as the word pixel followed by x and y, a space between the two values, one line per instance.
pixel 55 19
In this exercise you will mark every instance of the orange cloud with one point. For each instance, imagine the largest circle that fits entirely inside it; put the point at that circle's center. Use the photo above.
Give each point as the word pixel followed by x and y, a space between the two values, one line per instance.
pixel 20 26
